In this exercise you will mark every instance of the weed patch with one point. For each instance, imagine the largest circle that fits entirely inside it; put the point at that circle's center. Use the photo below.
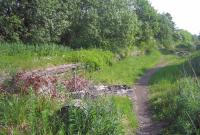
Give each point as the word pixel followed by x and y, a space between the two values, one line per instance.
pixel 174 97
pixel 31 114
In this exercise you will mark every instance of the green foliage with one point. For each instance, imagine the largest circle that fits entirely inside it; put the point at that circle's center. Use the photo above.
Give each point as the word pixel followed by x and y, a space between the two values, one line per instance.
pixel 79 24
pixel 157 30
pixel 102 24
pixel 94 59
pixel 97 116
pixel 107 24
pixel 193 65
pixel 166 31
pixel 148 18
pixel 185 40
pixel 185 36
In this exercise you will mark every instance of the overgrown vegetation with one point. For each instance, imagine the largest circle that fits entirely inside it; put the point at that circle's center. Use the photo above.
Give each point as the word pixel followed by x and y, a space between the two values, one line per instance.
pixel 33 114
pixel 18 56
pixel 102 66
pixel 105 36
pixel 175 96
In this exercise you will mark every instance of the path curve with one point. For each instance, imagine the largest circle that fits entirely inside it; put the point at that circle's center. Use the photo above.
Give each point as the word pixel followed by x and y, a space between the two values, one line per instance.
pixel 142 106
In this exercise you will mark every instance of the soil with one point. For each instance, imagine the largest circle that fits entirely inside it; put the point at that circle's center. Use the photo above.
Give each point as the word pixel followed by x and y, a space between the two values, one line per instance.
pixel 147 126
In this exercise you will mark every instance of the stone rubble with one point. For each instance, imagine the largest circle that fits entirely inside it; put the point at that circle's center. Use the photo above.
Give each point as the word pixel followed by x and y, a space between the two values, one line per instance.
pixel 103 90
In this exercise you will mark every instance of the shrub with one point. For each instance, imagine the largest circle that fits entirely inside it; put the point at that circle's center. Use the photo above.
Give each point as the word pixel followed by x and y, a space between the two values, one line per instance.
pixel 93 59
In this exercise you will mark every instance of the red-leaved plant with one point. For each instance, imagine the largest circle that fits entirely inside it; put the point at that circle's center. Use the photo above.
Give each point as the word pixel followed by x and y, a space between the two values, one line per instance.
pixel 41 84
pixel 76 84
pixel 46 85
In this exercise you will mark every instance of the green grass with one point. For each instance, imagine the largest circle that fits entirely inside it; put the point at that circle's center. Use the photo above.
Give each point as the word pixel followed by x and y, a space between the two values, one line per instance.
pixel 30 114
pixel 17 56
pixel 127 70
pixel 129 120
pixel 26 114
pixel 102 65
pixel 105 116
pixel 174 96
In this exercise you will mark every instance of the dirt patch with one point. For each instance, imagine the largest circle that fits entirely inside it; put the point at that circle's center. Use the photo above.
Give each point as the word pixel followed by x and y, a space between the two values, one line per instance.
pixel 142 106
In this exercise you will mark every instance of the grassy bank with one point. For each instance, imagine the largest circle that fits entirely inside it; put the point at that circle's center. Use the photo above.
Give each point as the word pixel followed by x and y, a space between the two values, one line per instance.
pixel 103 66
pixel 126 71
pixel 174 96
pixel 15 57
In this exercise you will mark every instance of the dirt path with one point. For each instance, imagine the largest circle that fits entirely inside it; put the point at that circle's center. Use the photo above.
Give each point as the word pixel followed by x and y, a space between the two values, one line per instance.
pixel 142 107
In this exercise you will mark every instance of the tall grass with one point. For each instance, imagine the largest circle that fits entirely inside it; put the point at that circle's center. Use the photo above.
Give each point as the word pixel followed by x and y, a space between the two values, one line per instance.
pixel 26 114
pixel 174 96
pixel 31 114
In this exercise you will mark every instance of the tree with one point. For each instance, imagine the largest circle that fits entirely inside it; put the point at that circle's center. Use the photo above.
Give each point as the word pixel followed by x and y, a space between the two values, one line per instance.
pixel 166 31
pixel 10 23
pixel 106 24
pixel 199 36
pixel 148 20
pixel 185 37
pixel 54 15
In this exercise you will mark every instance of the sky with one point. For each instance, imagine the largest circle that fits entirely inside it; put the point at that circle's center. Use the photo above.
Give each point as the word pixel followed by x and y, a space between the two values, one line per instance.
pixel 185 13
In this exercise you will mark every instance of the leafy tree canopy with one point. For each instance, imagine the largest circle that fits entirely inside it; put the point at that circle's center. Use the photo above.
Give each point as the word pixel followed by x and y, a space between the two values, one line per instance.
pixel 107 24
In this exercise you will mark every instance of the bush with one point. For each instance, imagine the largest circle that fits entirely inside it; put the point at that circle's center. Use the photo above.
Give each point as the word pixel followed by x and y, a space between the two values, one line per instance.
pixel 94 59
pixel 185 47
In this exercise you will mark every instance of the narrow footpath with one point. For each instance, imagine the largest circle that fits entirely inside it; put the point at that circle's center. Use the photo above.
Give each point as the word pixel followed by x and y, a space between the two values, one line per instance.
pixel 142 106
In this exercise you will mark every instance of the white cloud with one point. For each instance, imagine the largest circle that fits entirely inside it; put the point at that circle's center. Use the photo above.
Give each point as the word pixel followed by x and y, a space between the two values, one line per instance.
pixel 185 13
